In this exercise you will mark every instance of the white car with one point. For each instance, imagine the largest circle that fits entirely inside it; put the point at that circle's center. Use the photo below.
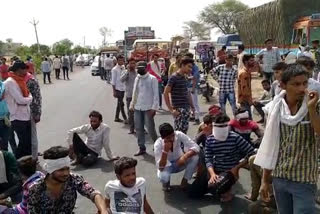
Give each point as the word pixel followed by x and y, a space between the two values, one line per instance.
pixel 95 67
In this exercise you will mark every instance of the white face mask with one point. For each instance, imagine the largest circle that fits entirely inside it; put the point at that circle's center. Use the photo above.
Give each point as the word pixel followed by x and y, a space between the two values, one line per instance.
pixel 220 133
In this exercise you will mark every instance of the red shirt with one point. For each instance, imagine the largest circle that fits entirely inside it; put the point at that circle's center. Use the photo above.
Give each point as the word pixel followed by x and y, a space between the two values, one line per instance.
pixel 246 130
pixel 30 67
pixel 4 71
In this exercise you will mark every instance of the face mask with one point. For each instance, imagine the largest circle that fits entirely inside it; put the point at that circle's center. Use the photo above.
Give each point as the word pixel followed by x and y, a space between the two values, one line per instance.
pixel 220 133
pixel 141 71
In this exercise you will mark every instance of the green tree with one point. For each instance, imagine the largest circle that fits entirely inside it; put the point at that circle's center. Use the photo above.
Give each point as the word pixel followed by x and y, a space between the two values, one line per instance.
pixel 78 49
pixel 23 52
pixel 222 15
pixel 193 29
pixel 62 47
pixel 2 48
pixel 44 49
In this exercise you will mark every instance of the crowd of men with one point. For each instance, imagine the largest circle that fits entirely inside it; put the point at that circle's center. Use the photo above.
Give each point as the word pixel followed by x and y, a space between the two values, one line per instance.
pixel 284 155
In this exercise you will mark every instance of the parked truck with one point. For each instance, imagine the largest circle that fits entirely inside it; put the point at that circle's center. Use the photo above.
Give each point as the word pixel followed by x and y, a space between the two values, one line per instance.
pixel 289 23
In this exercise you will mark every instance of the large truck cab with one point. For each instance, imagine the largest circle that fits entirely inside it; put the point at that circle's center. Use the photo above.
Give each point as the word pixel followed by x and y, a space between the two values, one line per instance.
pixel 306 29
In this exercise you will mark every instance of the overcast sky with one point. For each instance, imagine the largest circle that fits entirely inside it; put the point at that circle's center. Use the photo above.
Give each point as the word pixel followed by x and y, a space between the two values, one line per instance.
pixel 76 19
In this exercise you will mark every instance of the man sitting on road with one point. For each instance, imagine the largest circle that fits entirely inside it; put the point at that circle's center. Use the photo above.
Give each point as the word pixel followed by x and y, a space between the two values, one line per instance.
pixel 243 126
pixel 223 152
pixel 57 192
pixel 97 134
pixel 127 194
pixel 171 158
pixel 265 99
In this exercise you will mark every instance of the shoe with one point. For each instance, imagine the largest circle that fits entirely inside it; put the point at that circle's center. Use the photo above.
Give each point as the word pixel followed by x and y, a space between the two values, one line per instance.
pixel 131 132
pixel 126 121
pixel 191 119
pixel 140 152
pixel 197 122
pixel 118 120
pixel 166 187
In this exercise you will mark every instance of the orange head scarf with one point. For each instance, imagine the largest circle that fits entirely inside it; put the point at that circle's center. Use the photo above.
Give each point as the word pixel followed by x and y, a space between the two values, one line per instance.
pixel 21 82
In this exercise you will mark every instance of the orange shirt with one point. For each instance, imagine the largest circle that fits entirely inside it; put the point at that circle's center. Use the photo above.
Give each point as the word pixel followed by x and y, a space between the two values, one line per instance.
pixel 244 86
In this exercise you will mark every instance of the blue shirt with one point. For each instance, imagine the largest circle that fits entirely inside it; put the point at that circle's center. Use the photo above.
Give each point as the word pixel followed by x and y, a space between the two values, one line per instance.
pixel 196 74
pixel 4 111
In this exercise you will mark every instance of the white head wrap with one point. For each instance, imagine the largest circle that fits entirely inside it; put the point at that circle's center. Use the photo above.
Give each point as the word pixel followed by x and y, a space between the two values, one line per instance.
pixel 53 165
pixel 220 133
pixel 244 115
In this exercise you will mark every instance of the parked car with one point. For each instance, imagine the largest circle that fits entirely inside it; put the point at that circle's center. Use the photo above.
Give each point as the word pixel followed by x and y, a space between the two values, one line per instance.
pixel 95 67
pixel 86 60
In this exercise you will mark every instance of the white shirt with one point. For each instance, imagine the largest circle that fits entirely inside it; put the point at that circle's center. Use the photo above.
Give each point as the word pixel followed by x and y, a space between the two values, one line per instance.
pixel 56 63
pixel 177 152
pixel 116 74
pixel 18 105
pixel 108 63
pixel 145 93
pixel 313 85
pixel 96 139
pixel 126 200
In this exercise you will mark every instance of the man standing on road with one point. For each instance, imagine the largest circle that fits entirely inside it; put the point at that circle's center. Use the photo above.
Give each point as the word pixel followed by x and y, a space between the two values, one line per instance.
pixel 221 55
pixel 316 52
pixel 65 66
pixel 288 153
pixel 155 69
pixel 174 67
pixel 4 69
pixel 128 77
pixel 46 70
pixel 171 158
pixel 119 89
pixel 271 56
pixel 145 102
pixel 226 75
pixel 240 54
pixel 181 101
pixel 244 84
pixel 18 99
pixel 71 62
pixel 57 66
pixel 35 108
pixel 98 136
pixel 57 192
pixel 31 69
pixel 108 65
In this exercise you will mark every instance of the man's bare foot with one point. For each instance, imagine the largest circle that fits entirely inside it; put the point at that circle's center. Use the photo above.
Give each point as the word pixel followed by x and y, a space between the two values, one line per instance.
pixel 249 197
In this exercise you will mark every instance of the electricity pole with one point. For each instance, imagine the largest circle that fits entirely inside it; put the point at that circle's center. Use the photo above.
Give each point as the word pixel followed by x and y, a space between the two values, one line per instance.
pixel 34 23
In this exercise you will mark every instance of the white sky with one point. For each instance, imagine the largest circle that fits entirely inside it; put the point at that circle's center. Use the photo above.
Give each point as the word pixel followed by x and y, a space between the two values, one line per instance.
pixel 74 19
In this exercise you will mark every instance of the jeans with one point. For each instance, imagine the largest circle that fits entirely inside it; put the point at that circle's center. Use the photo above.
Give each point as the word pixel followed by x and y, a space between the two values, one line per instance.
pixel 190 167
pixel 142 118
pixel 160 87
pixel 130 114
pixel 268 76
pixel 247 107
pixel 293 197
pixel 57 73
pixel 120 105
pixel 46 74
pixel 34 139
pixel 82 151
pixel 108 75
pixel 65 72
pixel 102 73
pixel 223 97
pixel 196 104
pixel 181 122
pixel 4 135
pixel 23 131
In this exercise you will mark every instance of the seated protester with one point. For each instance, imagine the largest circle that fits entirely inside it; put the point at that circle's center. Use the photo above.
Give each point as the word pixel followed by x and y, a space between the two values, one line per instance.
pixel 278 69
pixel 309 64
pixel 127 194
pixel 223 152
pixel 57 192
pixel 244 127
pixel 265 99
pixel 10 179
pixel 97 134
pixel 170 157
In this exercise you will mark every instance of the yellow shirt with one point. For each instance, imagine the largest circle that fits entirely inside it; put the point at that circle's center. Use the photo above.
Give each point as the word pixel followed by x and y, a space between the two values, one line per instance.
pixel 172 69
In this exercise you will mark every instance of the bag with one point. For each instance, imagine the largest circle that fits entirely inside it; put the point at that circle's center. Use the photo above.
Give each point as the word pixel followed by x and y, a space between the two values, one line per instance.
pixel 199 187
pixel 226 181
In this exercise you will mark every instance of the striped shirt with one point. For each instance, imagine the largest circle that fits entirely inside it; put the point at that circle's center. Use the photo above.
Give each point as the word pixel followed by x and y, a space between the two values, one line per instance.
pixel 179 91
pixel 224 155
pixel 298 154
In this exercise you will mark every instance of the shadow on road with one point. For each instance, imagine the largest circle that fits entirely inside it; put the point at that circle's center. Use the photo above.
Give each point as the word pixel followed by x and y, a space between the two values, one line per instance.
pixel 104 165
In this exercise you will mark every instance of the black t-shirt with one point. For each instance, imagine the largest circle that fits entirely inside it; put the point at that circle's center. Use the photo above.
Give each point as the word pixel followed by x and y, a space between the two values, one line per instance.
pixel 179 91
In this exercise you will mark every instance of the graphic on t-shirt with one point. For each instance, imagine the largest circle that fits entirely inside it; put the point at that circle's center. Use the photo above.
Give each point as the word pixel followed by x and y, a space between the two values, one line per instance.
pixel 125 203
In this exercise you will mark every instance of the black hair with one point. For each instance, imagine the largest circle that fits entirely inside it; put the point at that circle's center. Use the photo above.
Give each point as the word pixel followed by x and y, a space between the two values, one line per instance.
pixel 265 81
pixel 180 55
pixel 224 47
pixel 186 60
pixel 3 58
pixel 240 111
pixel 131 59
pixel 27 166
pixel 268 40
pixel 120 57
pixel 221 118
pixel 190 55
pixel 207 119
pixel 124 163
pixel 230 56
pixel 293 70
pixel 108 55
pixel 306 61
pixel 247 57
pixel 165 130
pixel 56 152
pixel 280 66
pixel 241 47
pixel 96 114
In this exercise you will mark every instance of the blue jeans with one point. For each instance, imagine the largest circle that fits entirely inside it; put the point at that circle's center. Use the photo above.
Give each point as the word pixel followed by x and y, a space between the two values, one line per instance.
pixel 293 197
pixel 160 87
pixel 223 97
pixel 141 119
pixel 190 168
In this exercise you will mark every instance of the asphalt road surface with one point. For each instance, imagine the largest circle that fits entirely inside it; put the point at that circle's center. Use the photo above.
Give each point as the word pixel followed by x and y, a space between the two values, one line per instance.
pixel 66 104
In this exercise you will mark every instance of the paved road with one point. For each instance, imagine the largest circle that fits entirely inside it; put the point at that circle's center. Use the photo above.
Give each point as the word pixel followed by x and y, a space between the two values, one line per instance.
pixel 66 104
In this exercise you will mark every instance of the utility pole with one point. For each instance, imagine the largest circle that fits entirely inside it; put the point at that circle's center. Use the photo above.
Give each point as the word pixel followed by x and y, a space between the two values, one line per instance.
pixel 34 23
pixel 84 41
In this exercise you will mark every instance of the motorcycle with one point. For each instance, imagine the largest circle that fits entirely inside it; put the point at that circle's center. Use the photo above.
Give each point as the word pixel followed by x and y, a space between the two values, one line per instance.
pixel 205 88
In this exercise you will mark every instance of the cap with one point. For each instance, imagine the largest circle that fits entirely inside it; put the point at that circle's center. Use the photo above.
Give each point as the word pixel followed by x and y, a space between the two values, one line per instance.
pixel 142 64
pixel 18 65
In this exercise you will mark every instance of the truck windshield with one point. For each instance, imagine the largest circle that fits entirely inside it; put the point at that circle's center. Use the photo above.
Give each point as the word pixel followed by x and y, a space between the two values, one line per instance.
pixel 314 33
